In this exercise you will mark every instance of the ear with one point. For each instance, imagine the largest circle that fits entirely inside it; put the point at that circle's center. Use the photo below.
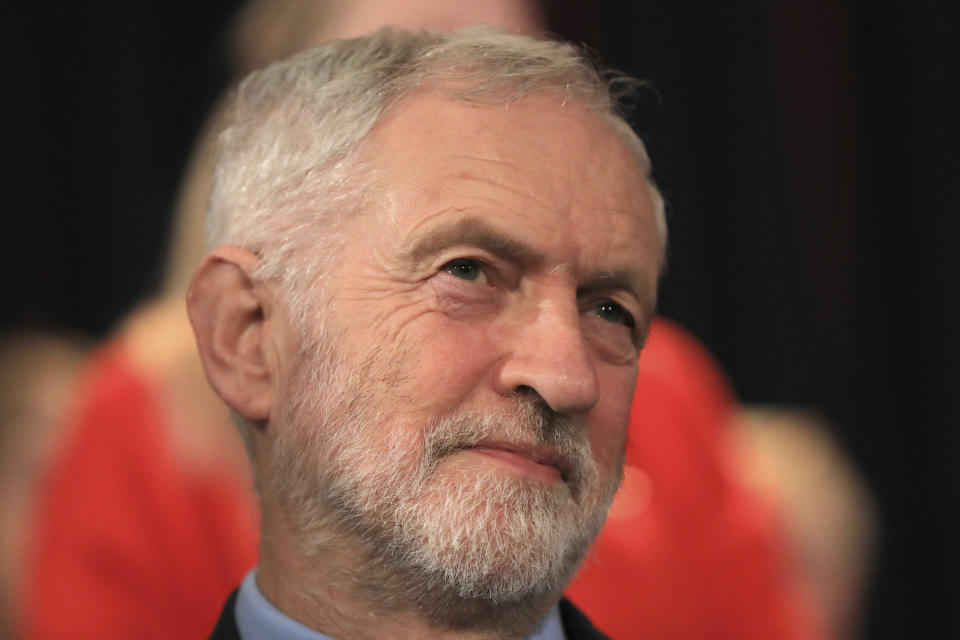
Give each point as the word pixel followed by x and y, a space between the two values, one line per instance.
pixel 228 312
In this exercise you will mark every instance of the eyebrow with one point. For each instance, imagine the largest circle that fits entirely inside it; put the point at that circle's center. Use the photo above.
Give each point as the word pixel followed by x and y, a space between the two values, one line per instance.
pixel 474 232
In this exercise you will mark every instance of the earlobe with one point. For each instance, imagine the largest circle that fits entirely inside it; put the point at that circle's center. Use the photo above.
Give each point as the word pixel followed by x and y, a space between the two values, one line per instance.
pixel 228 313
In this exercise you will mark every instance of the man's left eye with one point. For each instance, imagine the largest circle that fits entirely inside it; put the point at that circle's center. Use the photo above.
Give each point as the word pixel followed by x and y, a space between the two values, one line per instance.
pixel 615 313
pixel 464 268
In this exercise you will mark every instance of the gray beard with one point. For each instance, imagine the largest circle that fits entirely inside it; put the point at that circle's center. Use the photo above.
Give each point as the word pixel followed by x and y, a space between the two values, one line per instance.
pixel 477 550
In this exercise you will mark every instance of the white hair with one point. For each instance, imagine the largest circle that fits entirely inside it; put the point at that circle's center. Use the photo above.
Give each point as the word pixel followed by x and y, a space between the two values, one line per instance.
pixel 287 169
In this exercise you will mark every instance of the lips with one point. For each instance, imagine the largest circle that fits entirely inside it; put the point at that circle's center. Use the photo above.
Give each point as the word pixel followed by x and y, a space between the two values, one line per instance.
pixel 542 462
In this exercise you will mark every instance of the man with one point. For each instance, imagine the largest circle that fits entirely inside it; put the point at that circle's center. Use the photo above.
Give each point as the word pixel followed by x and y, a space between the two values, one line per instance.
pixel 436 260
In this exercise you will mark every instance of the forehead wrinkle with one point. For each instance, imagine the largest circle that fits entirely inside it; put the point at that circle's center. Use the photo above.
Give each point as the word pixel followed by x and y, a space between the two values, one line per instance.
pixel 522 193
pixel 633 212
pixel 483 160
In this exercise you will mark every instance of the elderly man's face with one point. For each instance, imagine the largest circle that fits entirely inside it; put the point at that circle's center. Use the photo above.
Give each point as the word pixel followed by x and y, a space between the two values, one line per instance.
pixel 464 408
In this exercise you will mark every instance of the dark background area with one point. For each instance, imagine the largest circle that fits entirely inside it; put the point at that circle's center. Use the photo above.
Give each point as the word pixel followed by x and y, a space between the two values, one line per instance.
pixel 809 152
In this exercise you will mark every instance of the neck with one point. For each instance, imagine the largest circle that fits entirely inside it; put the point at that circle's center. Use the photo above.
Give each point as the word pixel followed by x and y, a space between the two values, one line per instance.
pixel 329 584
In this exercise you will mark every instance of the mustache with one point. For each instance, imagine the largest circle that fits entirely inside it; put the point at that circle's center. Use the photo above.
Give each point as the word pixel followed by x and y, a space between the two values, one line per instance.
pixel 527 424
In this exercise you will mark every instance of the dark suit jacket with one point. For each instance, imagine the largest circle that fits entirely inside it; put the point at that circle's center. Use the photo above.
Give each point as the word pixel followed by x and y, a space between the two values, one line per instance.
pixel 575 625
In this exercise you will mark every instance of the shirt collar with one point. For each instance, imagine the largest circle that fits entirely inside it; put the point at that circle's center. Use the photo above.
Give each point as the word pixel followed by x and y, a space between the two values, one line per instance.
pixel 257 619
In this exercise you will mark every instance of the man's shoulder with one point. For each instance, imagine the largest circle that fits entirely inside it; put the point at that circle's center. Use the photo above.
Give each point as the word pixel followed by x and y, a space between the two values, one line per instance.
pixel 226 628
pixel 576 625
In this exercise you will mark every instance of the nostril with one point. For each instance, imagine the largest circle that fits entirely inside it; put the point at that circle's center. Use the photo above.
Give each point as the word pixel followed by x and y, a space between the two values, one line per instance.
pixel 527 395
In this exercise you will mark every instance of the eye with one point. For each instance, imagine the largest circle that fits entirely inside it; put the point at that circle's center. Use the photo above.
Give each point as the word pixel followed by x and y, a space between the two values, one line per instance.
pixel 615 313
pixel 612 330
pixel 465 269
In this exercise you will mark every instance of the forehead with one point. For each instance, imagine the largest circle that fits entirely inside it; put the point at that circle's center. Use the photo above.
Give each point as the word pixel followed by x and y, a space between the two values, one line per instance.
pixel 549 134
pixel 545 168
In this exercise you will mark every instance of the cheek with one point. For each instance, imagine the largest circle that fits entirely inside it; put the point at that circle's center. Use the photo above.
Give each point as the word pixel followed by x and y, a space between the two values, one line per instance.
pixel 609 419
pixel 448 363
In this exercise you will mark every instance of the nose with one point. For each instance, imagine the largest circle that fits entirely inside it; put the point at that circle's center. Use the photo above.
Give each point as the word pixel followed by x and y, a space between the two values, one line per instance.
pixel 547 355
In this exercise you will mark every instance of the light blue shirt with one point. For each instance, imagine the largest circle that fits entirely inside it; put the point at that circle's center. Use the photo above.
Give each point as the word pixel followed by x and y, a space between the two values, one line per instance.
pixel 257 619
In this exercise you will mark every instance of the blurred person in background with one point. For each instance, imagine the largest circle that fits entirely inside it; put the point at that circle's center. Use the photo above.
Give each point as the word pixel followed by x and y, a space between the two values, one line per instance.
pixel 828 514
pixel 37 375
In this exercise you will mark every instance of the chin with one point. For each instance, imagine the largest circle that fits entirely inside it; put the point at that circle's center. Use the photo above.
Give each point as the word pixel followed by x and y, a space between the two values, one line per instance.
pixel 498 538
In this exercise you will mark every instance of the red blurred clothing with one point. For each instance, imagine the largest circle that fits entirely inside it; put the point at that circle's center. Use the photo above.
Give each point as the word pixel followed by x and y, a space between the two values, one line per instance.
pixel 688 552
pixel 130 543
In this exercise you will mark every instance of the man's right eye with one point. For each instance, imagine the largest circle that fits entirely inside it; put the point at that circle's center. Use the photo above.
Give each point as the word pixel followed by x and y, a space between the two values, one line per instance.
pixel 464 268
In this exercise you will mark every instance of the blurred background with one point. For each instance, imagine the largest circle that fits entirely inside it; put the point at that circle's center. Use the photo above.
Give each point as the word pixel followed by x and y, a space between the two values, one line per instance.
pixel 808 152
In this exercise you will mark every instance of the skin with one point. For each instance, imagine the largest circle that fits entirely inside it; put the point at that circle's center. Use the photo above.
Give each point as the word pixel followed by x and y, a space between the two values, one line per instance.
pixel 512 249
pixel 556 182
